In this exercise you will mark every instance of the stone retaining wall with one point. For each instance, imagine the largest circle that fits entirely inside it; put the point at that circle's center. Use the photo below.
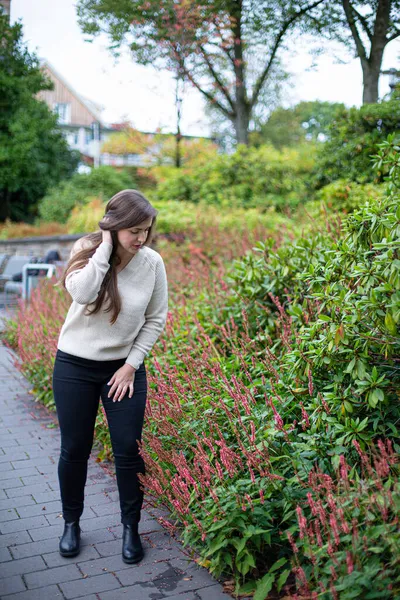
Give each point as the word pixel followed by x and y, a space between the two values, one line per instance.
pixel 40 245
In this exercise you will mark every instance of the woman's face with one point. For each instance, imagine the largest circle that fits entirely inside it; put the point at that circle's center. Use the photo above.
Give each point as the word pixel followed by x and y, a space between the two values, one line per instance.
pixel 132 239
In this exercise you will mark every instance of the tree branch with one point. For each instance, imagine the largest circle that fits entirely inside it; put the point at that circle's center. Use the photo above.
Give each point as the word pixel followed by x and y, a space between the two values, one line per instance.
pixel 214 74
pixel 363 22
pixel 348 9
pixel 394 36
pixel 261 80
pixel 190 77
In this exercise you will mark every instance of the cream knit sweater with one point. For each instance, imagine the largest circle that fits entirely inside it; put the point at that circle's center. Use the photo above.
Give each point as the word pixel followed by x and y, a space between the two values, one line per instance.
pixel 143 288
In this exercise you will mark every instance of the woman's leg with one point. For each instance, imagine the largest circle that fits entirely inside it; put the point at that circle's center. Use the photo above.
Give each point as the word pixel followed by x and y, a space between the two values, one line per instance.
pixel 125 421
pixel 76 392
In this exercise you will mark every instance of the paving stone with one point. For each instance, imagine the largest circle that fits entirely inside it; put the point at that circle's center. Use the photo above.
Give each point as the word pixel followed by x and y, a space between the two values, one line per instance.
pixel 11 585
pixel 8 515
pixel 105 508
pixel 23 566
pixel 46 593
pixel 10 442
pixel 35 480
pixel 54 559
pixel 109 564
pixel 45 533
pixel 90 585
pixel 34 510
pixel 109 548
pixel 142 573
pixel 214 592
pixel 100 523
pixel 141 591
pixel 23 464
pixel 34 548
pixel 15 482
pixel 185 596
pixel 30 490
pixel 11 539
pixel 18 456
pixel 18 474
pixel 4 555
pixel 183 583
pixel 52 576
pixel 97 537
pixel 16 502
pixel 48 496
pixel 23 524
pixel 6 466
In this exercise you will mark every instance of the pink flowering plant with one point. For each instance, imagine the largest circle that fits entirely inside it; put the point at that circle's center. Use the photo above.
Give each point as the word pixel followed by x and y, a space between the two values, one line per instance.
pixel 347 537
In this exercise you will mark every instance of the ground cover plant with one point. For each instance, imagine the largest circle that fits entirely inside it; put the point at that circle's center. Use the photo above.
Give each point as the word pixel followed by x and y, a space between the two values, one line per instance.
pixel 272 429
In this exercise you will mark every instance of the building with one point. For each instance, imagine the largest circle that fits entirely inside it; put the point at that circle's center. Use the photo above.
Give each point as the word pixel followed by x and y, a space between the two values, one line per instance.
pixel 5 6
pixel 78 117
pixel 81 122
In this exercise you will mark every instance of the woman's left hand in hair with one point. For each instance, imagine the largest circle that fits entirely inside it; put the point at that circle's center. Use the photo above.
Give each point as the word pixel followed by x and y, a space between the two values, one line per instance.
pixel 121 381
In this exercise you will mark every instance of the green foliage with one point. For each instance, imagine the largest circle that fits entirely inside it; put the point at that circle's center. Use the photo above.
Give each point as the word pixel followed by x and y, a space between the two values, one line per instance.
pixel 353 136
pixel 185 218
pixel 251 177
pixel 102 182
pixel 342 196
pixel 34 154
pixel 291 127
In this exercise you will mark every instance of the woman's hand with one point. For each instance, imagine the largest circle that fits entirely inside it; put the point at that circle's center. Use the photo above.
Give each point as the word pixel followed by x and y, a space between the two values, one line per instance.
pixel 107 236
pixel 121 381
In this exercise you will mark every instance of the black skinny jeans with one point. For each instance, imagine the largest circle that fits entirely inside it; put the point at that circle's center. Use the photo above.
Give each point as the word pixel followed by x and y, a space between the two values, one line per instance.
pixel 78 384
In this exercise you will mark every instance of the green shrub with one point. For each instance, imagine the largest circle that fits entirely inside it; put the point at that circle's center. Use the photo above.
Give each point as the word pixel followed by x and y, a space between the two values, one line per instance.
pixel 353 136
pixel 251 177
pixel 102 182
pixel 342 196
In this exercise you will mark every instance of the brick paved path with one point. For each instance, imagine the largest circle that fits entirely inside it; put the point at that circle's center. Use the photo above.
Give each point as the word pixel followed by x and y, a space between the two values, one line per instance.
pixel 30 522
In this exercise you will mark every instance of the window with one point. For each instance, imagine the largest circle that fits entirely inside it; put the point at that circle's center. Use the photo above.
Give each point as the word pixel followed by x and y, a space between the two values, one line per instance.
pixel 63 112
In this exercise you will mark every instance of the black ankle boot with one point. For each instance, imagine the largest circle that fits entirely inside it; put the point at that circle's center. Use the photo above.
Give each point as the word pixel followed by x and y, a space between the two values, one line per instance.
pixel 132 550
pixel 70 541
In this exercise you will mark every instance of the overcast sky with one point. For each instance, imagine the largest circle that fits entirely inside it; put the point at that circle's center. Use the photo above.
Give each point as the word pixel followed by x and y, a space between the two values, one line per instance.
pixel 146 97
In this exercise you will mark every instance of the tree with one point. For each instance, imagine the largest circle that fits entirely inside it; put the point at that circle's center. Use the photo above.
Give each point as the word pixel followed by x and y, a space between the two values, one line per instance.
pixel 369 26
pixel 33 152
pixel 305 122
pixel 226 48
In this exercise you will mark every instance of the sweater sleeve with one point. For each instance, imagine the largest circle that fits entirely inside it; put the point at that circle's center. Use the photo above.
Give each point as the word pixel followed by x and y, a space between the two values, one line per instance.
pixel 155 319
pixel 84 284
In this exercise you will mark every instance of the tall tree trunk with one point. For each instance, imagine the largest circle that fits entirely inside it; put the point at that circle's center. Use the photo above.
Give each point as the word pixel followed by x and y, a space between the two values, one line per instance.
pixel 241 124
pixel 178 104
pixel 242 107
pixel 371 62
pixel 371 83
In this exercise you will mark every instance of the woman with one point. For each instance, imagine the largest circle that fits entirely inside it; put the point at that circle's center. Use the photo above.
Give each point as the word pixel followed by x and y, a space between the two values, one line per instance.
pixel 119 289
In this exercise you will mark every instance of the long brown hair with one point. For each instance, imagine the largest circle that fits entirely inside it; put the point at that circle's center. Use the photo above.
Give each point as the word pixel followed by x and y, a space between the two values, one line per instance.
pixel 125 210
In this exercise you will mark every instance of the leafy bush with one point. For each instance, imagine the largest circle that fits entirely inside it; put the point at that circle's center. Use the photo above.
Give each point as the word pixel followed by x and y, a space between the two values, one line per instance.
pixel 353 136
pixel 11 230
pixel 342 196
pixel 103 182
pixel 248 178
pixel 181 218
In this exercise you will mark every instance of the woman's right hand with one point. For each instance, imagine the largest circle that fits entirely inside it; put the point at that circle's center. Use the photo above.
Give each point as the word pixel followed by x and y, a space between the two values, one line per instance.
pixel 107 236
